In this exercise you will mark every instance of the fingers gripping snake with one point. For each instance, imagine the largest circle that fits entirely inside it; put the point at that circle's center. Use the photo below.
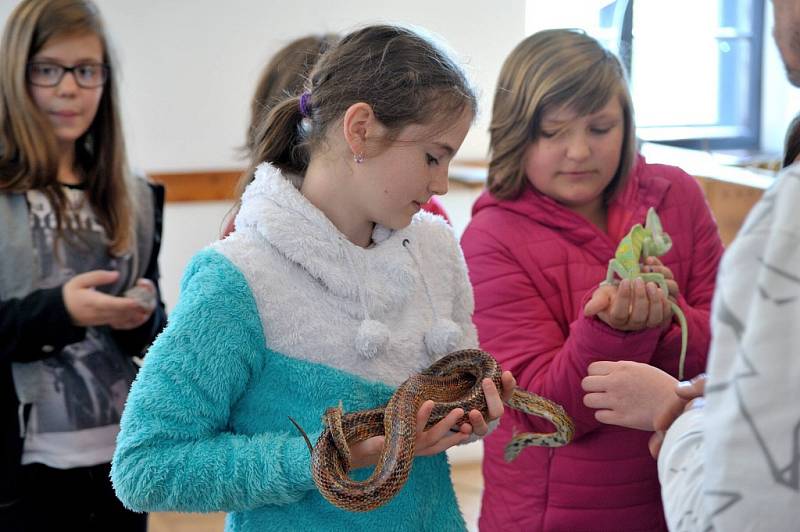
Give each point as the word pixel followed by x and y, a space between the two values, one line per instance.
pixel 452 382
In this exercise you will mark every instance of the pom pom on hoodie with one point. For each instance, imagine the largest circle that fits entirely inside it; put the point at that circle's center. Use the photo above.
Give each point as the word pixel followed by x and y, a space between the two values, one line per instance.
pixel 372 338
pixel 442 337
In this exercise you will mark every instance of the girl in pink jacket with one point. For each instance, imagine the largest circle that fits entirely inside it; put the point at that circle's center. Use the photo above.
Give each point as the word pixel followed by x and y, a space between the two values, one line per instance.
pixel 565 186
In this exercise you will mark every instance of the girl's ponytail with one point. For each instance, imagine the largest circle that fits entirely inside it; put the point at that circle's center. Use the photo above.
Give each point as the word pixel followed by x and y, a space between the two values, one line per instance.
pixel 404 76
pixel 280 140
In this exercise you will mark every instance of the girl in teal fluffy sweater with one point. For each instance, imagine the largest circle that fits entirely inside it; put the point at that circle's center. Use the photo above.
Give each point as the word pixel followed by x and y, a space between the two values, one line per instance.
pixel 334 287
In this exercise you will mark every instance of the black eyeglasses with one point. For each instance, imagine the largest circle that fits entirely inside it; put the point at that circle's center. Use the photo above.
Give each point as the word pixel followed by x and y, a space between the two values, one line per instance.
pixel 87 75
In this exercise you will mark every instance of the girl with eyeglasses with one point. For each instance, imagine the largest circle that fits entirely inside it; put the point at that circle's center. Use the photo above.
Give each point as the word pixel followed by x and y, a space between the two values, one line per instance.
pixel 78 271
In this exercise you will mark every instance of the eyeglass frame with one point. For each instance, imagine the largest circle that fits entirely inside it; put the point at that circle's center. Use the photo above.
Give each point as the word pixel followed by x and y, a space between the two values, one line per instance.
pixel 105 68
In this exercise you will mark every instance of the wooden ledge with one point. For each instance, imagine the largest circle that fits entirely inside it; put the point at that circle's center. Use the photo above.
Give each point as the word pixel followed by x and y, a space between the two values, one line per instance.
pixel 220 185
pixel 212 185
pixel 730 191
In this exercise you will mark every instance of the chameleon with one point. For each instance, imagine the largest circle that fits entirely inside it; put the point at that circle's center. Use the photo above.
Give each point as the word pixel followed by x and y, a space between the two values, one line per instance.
pixel 637 245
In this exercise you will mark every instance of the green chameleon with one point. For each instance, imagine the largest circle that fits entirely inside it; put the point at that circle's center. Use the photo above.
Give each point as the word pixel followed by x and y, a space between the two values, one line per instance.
pixel 638 244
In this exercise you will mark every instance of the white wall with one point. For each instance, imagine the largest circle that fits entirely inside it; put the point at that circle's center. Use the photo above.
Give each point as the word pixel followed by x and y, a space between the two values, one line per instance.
pixel 189 66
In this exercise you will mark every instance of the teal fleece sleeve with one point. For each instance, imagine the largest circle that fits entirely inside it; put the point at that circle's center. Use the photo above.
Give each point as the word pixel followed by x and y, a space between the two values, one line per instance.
pixel 175 450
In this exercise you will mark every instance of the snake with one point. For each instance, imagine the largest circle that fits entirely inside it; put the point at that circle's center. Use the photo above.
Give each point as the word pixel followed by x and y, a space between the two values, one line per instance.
pixel 454 381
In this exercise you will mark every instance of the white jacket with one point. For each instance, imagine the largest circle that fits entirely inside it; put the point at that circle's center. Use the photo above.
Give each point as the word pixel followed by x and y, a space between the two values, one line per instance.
pixel 735 464
pixel 323 299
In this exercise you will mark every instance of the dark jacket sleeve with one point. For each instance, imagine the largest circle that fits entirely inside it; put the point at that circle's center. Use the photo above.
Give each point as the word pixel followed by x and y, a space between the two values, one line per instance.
pixel 135 341
pixel 35 326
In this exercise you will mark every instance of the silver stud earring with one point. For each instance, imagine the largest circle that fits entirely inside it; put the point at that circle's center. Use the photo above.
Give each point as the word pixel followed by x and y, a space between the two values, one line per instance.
pixel 358 158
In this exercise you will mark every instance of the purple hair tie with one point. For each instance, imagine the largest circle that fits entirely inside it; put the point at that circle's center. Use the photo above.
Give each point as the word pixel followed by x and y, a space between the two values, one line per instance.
pixel 304 110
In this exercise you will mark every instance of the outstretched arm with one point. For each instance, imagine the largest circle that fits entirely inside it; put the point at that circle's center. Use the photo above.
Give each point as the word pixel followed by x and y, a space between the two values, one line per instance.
pixel 643 397
pixel 682 457
pixel 638 396
pixel 628 394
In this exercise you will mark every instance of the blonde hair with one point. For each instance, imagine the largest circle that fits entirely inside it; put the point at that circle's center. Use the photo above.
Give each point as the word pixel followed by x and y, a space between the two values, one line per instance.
pixel 549 70
pixel 28 147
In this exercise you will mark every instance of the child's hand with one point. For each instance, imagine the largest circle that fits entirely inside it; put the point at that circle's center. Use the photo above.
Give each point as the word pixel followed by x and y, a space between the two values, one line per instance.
pixel 654 265
pixel 631 306
pixel 445 433
pixel 628 394
pixel 88 307
pixel 688 395
pixel 428 442
pixel 440 436
pixel 494 400
pixel 366 453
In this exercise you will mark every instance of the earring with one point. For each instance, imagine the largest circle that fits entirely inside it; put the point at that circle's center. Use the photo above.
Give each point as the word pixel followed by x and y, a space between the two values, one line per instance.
pixel 358 157
pixel 88 144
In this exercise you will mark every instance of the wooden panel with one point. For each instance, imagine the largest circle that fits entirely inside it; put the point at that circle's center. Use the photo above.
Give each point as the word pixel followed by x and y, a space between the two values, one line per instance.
pixel 198 186
pixel 730 204
pixel 218 185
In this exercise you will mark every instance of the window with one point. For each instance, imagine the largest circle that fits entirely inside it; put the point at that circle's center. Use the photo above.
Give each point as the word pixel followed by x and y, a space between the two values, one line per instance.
pixel 694 65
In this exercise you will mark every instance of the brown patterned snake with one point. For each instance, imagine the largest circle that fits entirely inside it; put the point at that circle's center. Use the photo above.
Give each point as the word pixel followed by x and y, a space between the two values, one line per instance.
pixel 452 382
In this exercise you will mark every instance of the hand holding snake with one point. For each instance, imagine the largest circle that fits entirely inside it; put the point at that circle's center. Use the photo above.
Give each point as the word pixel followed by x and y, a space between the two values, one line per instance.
pixel 447 432
pixel 455 384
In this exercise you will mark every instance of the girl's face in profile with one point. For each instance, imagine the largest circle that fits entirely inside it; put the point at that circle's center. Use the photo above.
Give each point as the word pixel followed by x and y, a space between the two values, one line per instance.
pixel 404 176
pixel 575 157
pixel 71 103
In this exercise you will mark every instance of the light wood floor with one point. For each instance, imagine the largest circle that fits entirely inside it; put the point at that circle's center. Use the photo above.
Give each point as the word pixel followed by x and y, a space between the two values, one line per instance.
pixel 467 480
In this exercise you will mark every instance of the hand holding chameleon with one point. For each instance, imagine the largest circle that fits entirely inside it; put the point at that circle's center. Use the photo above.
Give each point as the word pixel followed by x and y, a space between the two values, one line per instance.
pixel 634 296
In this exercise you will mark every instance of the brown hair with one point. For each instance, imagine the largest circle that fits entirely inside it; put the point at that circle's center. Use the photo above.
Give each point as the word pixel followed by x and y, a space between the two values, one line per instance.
pixel 285 75
pixel 28 147
pixel 549 70
pixel 791 146
pixel 403 76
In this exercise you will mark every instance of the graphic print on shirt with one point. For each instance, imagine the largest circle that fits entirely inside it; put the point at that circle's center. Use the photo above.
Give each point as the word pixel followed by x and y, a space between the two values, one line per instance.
pixel 85 385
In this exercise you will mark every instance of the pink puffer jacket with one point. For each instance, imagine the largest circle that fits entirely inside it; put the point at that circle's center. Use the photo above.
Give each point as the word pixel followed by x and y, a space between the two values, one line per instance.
pixel 532 263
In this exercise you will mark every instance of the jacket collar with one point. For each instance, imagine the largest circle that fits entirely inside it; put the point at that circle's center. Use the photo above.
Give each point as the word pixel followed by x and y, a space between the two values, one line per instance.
pixel 275 208
pixel 380 280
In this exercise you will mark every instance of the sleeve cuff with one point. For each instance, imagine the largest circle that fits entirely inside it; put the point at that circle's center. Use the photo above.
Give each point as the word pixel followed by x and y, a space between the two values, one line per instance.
pixel 296 452
pixel 595 340
pixel 54 327
pixel 681 469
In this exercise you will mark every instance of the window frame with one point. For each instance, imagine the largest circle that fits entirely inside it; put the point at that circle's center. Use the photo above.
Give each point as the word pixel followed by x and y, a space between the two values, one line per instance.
pixel 747 136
